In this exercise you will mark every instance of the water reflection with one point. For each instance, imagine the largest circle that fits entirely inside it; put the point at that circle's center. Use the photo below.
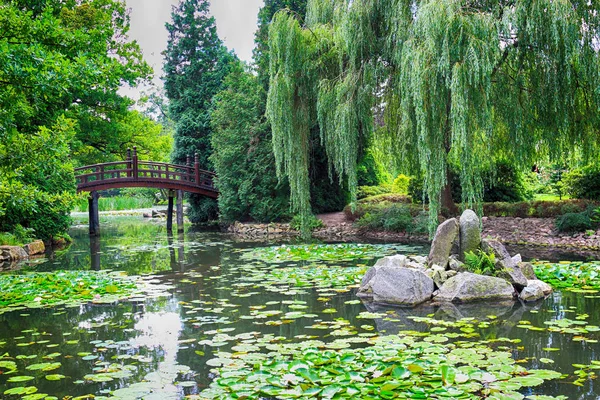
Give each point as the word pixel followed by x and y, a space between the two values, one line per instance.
pixel 144 348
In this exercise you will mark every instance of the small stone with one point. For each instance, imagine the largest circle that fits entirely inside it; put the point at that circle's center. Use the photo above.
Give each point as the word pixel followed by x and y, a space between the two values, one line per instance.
pixel 456 265
pixel 415 265
pixel 517 258
pixel 505 266
pixel 527 270
pixel 419 259
pixel 533 291
pixel 445 236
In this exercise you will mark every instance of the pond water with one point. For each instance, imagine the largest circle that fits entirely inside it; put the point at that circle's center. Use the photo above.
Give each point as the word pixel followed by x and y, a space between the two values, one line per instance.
pixel 227 299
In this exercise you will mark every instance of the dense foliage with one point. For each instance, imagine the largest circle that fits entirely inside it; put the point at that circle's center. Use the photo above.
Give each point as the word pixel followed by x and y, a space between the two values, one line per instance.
pixel 196 62
pixel 243 156
pixel 584 183
pixel 61 65
pixel 461 85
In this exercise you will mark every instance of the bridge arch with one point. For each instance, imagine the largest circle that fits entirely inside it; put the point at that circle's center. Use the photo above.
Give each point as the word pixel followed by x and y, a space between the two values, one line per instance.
pixel 149 174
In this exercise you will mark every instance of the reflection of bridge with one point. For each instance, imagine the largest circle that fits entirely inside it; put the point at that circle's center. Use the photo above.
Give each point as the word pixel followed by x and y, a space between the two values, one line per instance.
pixel 135 173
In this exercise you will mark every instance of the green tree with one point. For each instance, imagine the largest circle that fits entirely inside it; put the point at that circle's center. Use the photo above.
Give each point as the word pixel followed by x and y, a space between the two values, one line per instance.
pixel 196 62
pixel 243 154
pixel 61 64
pixel 460 82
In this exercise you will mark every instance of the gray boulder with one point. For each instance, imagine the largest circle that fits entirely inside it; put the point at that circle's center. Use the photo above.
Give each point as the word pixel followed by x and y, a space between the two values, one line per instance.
pixel 517 258
pixel 13 253
pixel 397 260
pixel 400 286
pixel 506 267
pixel 35 248
pixel 470 233
pixel 527 270
pixel 467 287
pixel 445 236
pixel 535 290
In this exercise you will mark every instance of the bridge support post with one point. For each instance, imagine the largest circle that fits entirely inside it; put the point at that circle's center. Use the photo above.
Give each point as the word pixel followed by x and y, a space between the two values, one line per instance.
pixel 94 253
pixel 180 211
pixel 94 213
pixel 170 212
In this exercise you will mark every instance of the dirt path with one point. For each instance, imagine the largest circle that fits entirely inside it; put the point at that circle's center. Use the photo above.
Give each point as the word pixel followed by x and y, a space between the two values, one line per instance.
pixel 333 219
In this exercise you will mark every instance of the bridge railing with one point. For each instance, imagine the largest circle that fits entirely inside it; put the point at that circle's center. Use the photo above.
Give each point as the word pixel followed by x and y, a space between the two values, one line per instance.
pixel 136 170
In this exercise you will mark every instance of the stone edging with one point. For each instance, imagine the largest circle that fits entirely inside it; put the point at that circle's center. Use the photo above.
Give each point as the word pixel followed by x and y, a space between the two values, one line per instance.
pixel 11 254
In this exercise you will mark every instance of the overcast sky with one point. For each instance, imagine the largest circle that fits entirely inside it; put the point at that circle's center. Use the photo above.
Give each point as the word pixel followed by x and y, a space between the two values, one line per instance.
pixel 236 24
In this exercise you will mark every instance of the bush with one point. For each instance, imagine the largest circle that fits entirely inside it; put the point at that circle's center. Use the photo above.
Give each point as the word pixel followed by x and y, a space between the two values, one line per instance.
pixel 313 223
pixel 401 184
pixel 535 209
pixel 377 203
pixel 583 183
pixel 574 222
pixel 393 218
pixel 369 191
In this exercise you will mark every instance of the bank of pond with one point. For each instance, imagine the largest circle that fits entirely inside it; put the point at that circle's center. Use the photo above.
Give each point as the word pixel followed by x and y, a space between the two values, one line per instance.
pixel 138 314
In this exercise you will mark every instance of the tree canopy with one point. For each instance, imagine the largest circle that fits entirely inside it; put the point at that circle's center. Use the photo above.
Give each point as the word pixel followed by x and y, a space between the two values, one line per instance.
pixel 457 81
pixel 61 65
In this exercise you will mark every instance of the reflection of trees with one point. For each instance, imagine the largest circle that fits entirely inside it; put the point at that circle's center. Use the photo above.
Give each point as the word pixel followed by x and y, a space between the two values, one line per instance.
pixel 84 329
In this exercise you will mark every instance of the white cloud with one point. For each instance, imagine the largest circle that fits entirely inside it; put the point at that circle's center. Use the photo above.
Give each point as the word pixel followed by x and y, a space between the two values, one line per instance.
pixel 236 24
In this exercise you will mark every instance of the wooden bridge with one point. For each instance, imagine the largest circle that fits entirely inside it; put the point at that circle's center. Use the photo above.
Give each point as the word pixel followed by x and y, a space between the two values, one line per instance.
pixel 135 173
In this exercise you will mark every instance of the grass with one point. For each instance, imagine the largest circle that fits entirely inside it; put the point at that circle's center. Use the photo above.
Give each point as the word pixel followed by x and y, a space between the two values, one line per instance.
pixel 118 203
pixel 8 239
pixel 550 197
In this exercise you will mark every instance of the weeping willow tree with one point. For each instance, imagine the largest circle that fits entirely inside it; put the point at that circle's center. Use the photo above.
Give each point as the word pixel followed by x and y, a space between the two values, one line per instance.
pixel 459 82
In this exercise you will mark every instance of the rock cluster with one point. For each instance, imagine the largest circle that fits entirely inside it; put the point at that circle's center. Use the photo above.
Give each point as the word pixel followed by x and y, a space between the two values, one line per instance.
pixel 443 277
pixel 12 254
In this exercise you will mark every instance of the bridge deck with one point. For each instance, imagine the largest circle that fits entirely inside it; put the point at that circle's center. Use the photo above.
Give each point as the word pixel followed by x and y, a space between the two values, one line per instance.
pixel 135 173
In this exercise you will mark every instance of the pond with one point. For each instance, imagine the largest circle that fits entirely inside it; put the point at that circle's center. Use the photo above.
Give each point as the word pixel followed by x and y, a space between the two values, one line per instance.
pixel 218 317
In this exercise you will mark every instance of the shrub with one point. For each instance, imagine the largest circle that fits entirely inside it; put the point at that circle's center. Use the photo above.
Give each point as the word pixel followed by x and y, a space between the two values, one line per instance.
pixel 595 216
pixel 369 191
pixel 574 222
pixel 393 218
pixel 583 183
pixel 535 209
pixel 397 219
pixel 401 184
pixel 313 223
pixel 480 262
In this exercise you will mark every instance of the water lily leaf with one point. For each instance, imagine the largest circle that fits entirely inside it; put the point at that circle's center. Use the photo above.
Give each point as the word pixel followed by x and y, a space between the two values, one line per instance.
pixel 55 377
pixel 21 390
pixel 20 378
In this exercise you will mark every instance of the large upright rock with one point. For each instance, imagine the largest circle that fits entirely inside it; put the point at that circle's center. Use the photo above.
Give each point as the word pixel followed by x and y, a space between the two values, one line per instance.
pixel 393 285
pixel 506 267
pixel 445 236
pixel 467 287
pixel 470 233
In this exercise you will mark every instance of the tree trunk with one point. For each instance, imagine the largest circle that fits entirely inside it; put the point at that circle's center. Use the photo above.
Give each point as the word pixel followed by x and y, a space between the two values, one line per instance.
pixel 448 205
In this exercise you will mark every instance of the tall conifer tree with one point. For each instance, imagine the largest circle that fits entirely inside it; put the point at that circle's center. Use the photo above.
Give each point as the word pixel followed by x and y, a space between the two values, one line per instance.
pixel 196 62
